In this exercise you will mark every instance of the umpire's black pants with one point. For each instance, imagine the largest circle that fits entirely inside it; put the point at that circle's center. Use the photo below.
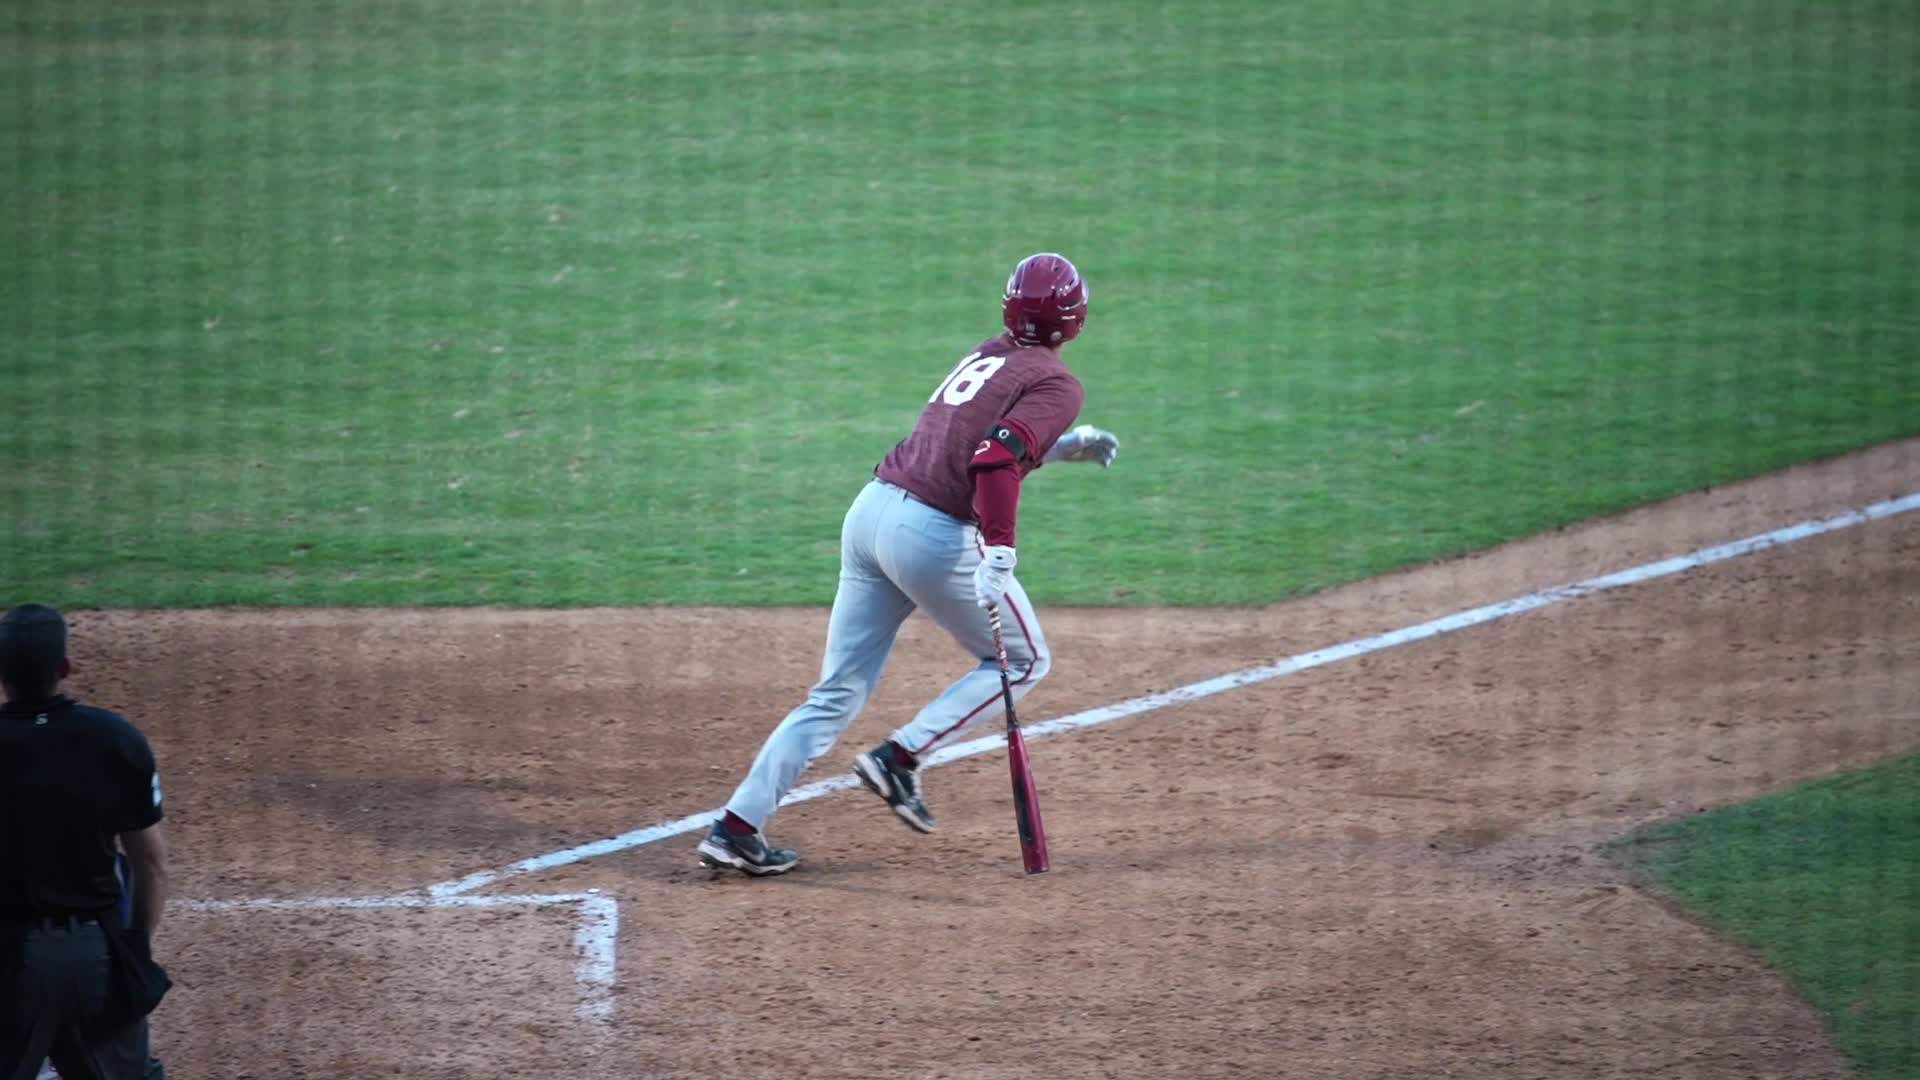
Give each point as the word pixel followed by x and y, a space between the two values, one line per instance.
pixel 53 984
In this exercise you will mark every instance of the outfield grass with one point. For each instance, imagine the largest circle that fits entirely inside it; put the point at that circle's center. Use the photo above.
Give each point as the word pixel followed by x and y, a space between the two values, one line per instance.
pixel 575 301
pixel 1823 880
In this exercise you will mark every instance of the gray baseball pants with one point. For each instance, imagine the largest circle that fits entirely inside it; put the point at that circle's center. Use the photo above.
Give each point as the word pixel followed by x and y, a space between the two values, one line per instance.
pixel 897 554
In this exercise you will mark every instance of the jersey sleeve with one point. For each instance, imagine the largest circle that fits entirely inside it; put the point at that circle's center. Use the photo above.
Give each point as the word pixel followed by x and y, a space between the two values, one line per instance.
pixel 1032 424
pixel 138 782
pixel 1045 412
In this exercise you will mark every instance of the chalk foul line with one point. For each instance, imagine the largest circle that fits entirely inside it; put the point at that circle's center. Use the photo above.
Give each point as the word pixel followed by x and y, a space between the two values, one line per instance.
pixel 1446 624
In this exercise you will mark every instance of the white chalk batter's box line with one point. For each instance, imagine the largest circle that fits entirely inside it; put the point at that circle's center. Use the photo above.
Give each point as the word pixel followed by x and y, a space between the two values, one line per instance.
pixel 598 925
pixel 599 915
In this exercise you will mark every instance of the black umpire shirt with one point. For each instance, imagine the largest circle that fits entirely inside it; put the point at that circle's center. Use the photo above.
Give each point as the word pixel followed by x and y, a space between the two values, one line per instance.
pixel 72 777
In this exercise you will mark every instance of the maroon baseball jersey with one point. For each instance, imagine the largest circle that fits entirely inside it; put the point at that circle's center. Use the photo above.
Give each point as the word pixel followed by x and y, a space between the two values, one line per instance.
pixel 1000 380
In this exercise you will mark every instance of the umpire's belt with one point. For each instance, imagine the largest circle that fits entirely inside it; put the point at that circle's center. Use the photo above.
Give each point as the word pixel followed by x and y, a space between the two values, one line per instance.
pixel 50 922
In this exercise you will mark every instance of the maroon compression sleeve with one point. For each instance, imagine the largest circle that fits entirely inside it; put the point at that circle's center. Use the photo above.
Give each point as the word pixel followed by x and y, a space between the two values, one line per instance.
pixel 996 502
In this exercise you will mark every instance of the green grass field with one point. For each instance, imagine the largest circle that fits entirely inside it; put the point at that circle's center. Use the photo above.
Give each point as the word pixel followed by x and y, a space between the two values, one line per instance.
pixel 572 301
pixel 1823 880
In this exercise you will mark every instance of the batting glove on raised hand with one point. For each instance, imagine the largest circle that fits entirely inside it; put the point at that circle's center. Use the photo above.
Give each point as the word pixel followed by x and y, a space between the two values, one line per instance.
pixel 1086 443
pixel 993 576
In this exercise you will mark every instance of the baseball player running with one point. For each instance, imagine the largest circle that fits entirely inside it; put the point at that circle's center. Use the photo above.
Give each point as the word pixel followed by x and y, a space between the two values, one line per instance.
pixel 934 530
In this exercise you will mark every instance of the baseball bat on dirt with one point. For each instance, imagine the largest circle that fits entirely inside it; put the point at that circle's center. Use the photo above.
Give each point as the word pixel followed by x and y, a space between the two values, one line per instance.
pixel 1026 804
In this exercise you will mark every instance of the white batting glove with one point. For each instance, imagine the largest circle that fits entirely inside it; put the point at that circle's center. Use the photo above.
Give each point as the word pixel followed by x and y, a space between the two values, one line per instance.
pixel 1086 443
pixel 993 576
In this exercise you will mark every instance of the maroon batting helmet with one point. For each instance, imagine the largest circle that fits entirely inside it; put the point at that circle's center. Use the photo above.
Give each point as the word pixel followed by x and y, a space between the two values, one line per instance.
pixel 1046 301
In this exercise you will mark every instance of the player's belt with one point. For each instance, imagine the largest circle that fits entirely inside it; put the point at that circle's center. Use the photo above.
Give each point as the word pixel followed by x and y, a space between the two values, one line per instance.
pixel 919 500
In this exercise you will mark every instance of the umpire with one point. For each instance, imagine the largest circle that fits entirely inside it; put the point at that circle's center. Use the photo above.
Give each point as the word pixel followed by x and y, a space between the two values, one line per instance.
pixel 75 984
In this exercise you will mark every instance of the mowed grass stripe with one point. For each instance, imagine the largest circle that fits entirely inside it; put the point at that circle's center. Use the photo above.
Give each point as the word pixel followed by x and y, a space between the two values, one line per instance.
pixel 579 303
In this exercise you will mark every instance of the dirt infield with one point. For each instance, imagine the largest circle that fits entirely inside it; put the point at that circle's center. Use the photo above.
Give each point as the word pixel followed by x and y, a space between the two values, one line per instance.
pixel 1379 868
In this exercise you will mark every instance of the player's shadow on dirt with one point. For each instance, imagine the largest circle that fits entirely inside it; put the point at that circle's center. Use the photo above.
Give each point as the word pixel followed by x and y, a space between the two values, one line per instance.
pixel 848 881
pixel 909 877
